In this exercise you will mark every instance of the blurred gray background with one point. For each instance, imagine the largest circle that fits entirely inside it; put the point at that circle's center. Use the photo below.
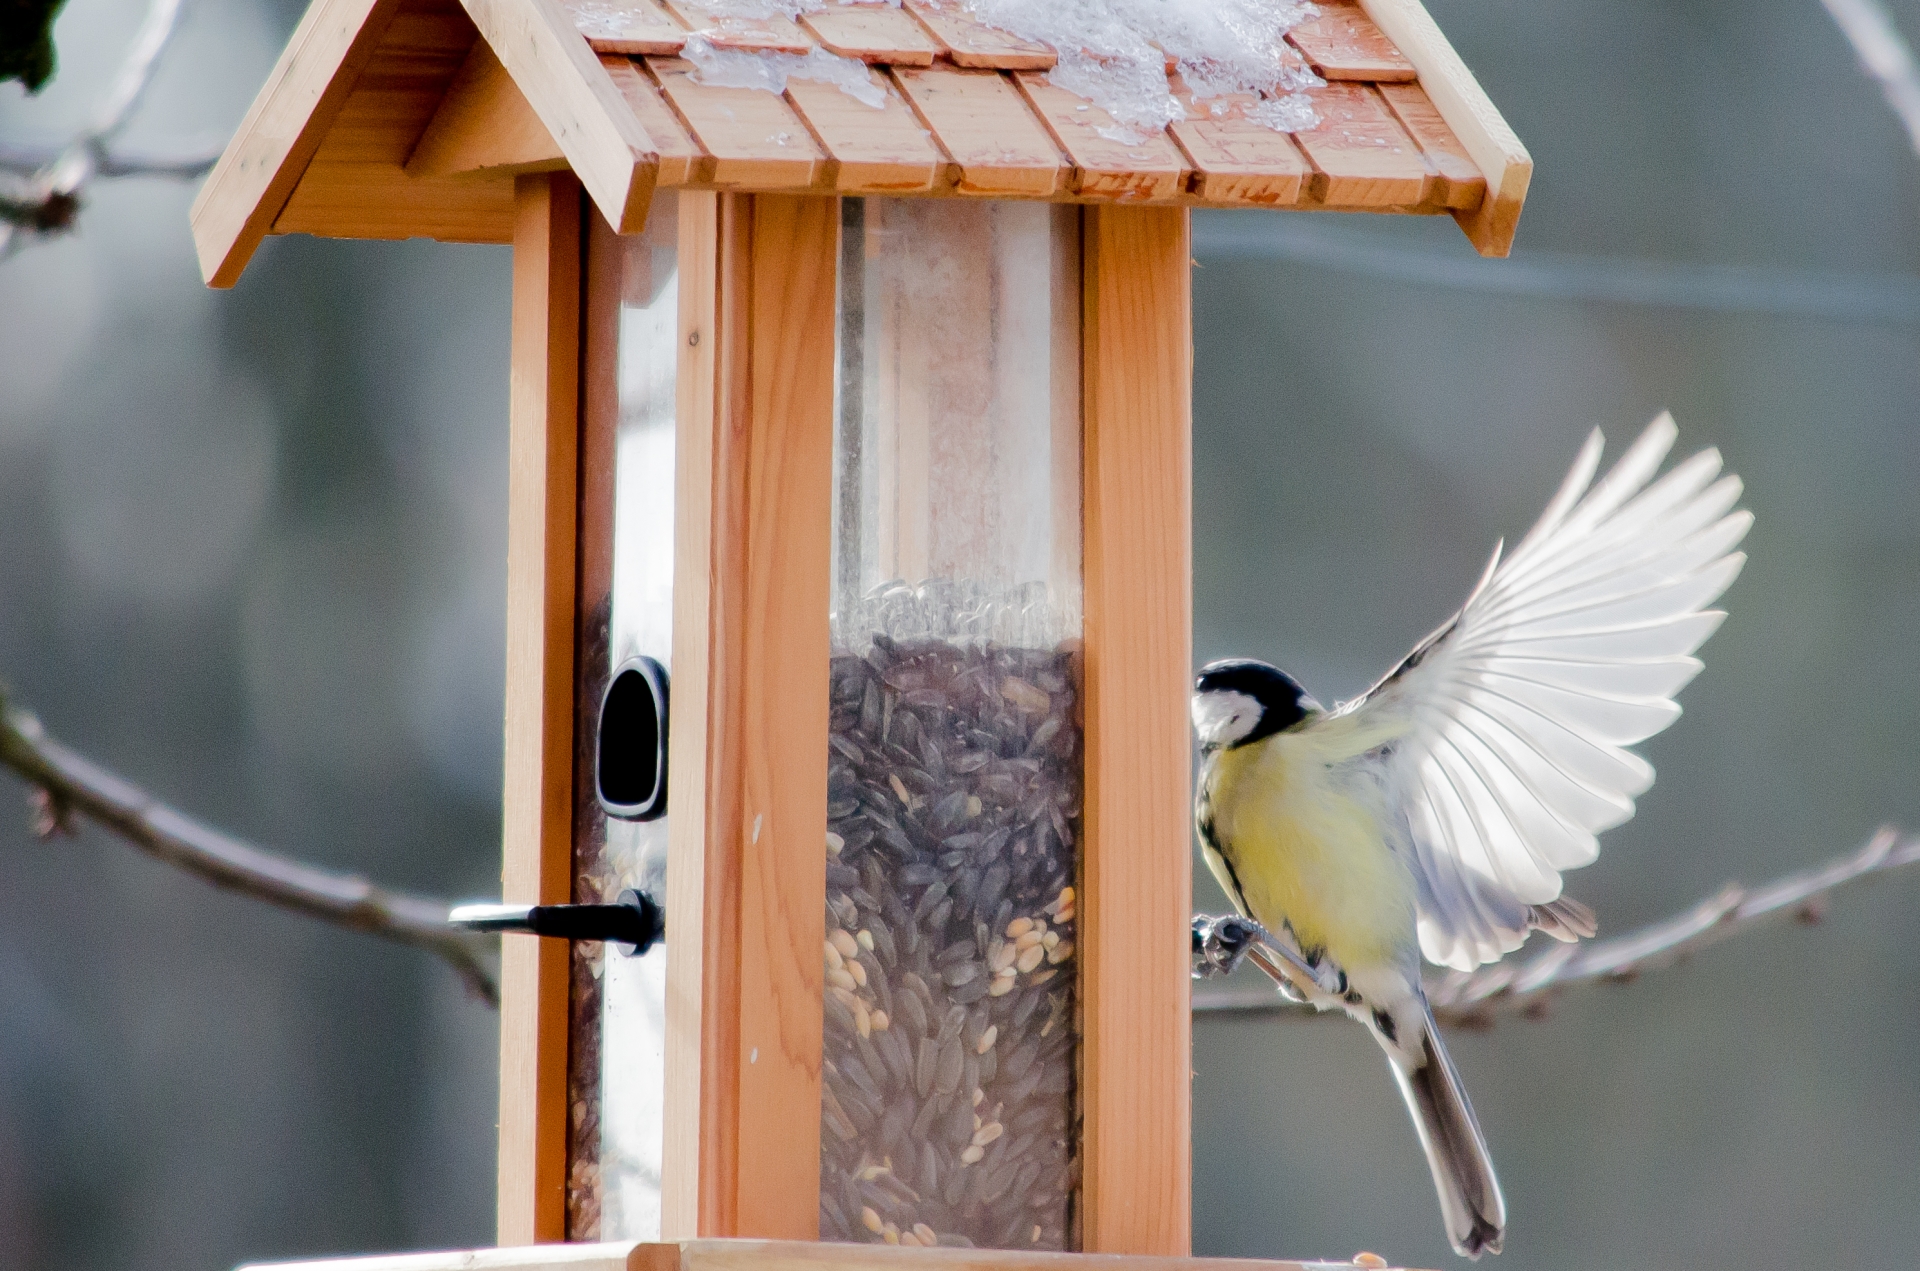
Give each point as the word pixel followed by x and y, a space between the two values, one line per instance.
pixel 251 553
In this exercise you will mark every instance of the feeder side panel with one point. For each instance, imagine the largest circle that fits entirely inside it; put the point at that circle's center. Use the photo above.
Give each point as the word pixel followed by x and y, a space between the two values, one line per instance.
pixel 593 602
pixel 537 821
pixel 781 709
pixel 747 779
pixel 1137 1067
pixel 702 969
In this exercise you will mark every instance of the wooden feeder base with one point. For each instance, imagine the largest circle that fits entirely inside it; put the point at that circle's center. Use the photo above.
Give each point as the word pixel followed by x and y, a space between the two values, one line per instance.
pixel 775 1255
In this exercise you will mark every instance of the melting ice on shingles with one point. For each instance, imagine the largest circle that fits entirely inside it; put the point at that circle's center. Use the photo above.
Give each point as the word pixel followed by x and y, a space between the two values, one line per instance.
pixel 1112 52
pixel 738 68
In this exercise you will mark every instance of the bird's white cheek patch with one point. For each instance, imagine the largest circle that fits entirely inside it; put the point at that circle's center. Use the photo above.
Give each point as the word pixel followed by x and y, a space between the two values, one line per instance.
pixel 1222 717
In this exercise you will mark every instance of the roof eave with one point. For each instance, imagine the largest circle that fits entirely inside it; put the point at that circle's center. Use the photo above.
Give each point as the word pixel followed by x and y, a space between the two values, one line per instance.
pixel 240 199
pixel 1473 117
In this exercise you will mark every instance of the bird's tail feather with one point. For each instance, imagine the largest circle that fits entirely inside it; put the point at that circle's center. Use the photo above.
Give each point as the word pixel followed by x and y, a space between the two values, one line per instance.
pixel 1470 1199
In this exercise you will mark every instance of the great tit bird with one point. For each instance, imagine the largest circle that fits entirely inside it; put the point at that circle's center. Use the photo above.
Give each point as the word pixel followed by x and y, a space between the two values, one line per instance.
pixel 1434 813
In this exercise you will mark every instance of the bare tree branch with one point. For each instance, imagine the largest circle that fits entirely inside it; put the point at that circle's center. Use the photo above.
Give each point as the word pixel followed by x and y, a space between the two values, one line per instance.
pixel 1476 999
pixel 67 784
pixel 1884 54
pixel 184 164
pixel 48 201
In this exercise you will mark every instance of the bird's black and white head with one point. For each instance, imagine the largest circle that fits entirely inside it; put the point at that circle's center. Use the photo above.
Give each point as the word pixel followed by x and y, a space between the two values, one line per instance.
pixel 1239 700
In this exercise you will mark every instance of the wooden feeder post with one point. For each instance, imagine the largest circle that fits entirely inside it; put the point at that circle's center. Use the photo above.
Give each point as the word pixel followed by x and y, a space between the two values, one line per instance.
pixel 703 259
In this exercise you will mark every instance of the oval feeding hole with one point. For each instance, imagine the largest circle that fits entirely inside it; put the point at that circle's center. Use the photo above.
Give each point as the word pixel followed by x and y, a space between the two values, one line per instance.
pixel 632 766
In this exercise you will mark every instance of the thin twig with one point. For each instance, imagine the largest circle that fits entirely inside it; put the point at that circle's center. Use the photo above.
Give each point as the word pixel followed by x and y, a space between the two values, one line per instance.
pixel 51 197
pixel 1476 999
pixel 118 161
pixel 1884 54
pixel 67 784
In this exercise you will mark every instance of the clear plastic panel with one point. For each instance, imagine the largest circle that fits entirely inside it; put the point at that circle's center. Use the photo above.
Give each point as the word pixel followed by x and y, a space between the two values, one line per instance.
pixel 954 764
pixel 620 1000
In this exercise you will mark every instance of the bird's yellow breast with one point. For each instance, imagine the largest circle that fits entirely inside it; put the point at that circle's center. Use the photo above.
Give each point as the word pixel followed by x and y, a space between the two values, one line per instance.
pixel 1304 844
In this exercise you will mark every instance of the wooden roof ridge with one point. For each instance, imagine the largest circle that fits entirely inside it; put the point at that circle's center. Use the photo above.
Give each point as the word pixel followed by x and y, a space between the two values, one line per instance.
pixel 399 118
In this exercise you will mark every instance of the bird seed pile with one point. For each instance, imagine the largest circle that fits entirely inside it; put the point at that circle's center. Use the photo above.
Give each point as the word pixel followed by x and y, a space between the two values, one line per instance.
pixel 953 805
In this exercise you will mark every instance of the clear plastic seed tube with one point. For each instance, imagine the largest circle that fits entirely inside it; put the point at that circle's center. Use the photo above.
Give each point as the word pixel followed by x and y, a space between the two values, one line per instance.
pixel 955 756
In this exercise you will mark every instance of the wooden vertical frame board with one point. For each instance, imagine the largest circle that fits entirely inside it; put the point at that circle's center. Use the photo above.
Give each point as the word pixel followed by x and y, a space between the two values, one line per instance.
pixel 702 896
pixel 538 802
pixel 603 271
pixel 1136 868
pixel 747 861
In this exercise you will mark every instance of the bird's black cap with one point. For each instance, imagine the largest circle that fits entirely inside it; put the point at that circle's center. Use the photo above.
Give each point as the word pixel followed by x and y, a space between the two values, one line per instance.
pixel 1283 703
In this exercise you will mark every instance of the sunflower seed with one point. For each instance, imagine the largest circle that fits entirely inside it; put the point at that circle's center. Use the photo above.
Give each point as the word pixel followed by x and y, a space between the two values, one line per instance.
pixel 961 973
pixel 949 1066
pixel 912 1010
pixel 925 1062
pixel 953 783
pixel 956 1128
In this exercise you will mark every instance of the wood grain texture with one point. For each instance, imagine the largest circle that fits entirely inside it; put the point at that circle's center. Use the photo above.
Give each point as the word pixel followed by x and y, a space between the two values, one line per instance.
pixel 419 56
pixel 884 151
pixel 627 26
pixel 537 810
pixel 240 199
pixel 747 863
pixel 1237 161
pixel 1461 101
pixel 484 122
pixel 1149 168
pixel 1342 42
pixel 356 185
pixel 754 139
pixel 781 712
pixel 682 161
pixel 773 1255
pixel 775 33
pixel 987 128
pixel 379 200
pixel 576 99
pixel 871 32
pixel 1458 183
pixel 970 42
pixel 1136 1058
pixel 1363 158
pixel 703 964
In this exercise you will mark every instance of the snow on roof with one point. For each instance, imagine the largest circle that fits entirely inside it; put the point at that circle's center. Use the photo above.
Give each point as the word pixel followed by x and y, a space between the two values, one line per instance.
pixel 382 119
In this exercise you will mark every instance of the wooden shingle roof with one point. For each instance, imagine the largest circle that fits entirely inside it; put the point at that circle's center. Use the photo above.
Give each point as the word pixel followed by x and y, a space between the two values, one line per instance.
pixel 404 118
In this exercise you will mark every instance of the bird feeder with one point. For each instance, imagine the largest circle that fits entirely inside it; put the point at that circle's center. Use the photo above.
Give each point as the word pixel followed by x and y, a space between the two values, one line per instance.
pixel 850 415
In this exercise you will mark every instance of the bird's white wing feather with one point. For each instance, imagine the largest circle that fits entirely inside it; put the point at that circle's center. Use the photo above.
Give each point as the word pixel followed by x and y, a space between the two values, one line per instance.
pixel 1514 718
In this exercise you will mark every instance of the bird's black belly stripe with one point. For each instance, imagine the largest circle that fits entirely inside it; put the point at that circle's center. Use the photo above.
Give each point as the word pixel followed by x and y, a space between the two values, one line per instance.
pixel 1239 892
pixel 1207 836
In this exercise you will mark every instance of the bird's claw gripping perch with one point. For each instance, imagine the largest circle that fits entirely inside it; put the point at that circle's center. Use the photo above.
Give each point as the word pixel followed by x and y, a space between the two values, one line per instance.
pixel 1221 943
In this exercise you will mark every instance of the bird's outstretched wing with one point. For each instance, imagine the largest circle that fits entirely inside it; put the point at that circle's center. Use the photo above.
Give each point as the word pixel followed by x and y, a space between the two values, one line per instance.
pixel 1513 718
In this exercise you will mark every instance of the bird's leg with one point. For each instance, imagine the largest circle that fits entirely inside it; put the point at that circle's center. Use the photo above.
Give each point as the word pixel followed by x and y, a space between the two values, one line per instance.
pixel 1321 971
pixel 1219 944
